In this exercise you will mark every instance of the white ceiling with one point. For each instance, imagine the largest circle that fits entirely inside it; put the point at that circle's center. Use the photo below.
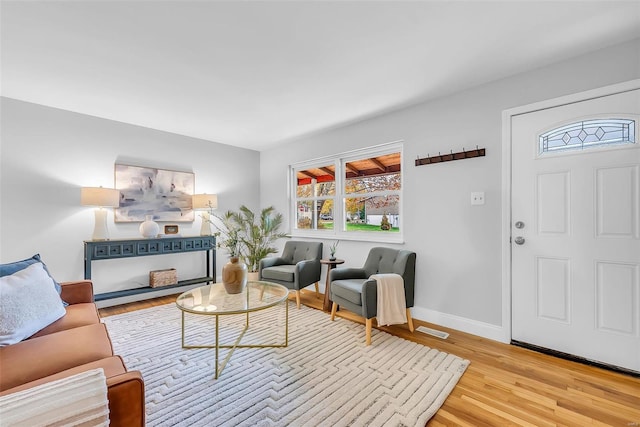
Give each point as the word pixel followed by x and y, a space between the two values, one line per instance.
pixel 257 73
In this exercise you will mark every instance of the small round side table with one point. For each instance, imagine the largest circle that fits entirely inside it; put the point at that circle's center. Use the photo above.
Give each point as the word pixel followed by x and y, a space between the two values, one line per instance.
pixel 326 306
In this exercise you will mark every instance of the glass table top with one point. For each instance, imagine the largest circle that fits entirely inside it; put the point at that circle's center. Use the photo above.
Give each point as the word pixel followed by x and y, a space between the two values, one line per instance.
pixel 214 299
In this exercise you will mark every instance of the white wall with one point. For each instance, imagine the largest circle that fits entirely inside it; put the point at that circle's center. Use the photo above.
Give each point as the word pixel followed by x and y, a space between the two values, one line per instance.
pixel 458 246
pixel 47 154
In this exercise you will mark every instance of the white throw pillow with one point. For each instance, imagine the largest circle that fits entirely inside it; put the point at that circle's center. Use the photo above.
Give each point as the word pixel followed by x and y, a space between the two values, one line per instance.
pixel 28 302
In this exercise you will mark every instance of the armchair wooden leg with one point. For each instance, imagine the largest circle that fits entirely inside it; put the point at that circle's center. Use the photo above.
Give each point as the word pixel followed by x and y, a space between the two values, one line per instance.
pixel 368 335
pixel 317 290
pixel 298 299
pixel 409 319
pixel 334 308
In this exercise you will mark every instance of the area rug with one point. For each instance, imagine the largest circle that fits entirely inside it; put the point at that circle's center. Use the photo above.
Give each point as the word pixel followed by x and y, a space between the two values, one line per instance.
pixel 325 377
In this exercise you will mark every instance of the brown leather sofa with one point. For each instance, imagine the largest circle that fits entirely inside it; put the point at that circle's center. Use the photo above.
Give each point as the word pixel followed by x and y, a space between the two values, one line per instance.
pixel 75 343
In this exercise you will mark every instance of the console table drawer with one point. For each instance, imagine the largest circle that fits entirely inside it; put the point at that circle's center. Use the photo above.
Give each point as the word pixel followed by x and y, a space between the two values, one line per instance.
pixel 149 248
pixel 113 251
pixel 121 250
pixel 169 247
pixel 198 244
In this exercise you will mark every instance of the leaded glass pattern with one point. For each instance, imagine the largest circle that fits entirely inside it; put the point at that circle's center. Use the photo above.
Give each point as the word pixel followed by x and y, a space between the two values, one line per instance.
pixel 588 134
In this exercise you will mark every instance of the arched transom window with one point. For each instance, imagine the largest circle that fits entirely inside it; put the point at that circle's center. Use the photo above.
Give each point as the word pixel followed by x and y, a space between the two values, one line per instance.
pixel 587 134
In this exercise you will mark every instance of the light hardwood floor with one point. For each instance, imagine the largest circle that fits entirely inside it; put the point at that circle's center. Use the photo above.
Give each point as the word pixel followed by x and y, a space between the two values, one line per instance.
pixel 507 385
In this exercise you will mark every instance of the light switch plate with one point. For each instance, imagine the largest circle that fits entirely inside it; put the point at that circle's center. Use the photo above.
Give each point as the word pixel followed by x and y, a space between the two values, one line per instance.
pixel 477 198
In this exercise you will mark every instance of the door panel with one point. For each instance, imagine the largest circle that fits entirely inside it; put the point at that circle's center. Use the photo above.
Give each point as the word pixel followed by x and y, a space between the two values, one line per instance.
pixel 553 289
pixel 553 195
pixel 617 201
pixel 616 290
pixel 576 261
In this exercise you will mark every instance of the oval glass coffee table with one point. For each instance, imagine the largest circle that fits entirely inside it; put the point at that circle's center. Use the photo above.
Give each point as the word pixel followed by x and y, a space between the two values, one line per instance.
pixel 213 300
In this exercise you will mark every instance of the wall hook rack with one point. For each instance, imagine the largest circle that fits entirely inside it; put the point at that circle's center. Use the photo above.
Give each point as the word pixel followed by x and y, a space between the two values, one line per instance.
pixel 478 152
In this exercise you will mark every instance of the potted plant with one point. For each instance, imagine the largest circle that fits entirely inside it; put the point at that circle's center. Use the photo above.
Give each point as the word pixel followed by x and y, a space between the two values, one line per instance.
pixel 258 234
pixel 332 250
pixel 234 273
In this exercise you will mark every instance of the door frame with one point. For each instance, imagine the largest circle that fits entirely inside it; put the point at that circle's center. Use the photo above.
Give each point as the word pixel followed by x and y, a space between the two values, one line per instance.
pixel 507 177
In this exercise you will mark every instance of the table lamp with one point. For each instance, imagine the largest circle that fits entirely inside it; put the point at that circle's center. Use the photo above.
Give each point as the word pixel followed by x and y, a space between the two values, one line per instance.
pixel 103 198
pixel 206 203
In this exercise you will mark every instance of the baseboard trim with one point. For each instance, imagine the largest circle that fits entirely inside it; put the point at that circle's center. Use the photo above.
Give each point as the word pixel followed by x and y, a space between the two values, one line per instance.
pixel 481 329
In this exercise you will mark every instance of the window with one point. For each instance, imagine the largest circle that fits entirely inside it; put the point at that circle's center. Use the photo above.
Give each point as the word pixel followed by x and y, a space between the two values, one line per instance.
pixel 315 197
pixel 587 134
pixel 353 196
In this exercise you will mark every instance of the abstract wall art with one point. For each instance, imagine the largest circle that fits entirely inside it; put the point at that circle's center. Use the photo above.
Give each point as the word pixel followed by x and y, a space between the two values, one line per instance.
pixel 165 194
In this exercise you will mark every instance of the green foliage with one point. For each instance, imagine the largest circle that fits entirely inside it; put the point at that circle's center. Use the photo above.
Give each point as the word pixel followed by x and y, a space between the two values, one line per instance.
pixel 247 235
pixel 257 234
pixel 384 223
pixel 368 227
pixel 304 223
pixel 333 248
pixel 228 232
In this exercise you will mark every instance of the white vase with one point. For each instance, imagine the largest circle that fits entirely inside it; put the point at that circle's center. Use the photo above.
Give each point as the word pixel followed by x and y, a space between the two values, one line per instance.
pixel 149 228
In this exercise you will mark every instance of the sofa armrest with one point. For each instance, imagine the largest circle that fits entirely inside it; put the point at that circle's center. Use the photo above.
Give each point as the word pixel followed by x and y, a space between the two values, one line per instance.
pixel 125 390
pixel 77 292
pixel 347 273
pixel 370 299
pixel 126 400
pixel 308 272
pixel 270 262
pixel 39 357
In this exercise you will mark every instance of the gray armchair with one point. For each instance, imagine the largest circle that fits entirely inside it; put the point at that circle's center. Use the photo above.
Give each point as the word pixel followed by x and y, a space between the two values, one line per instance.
pixel 297 268
pixel 351 288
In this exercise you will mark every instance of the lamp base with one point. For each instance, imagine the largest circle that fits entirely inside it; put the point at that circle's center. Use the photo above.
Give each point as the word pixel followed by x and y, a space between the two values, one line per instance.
pixel 205 228
pixel 100 231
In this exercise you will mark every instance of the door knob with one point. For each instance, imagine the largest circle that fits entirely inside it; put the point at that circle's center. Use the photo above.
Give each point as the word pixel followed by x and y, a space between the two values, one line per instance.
pixel 519 240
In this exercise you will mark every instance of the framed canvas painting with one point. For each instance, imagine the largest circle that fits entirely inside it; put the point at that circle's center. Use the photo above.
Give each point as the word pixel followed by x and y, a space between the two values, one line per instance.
pixel 165 194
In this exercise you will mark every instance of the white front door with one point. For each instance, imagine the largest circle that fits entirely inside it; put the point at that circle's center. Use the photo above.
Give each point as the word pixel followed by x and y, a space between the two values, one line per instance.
pixel 576 229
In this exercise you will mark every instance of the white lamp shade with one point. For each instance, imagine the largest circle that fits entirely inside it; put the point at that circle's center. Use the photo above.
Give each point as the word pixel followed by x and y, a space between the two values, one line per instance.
pixel 205 201
pixel 98 196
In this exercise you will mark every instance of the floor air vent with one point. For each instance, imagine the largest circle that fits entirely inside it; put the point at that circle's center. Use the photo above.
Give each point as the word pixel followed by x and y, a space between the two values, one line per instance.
pixel 434 332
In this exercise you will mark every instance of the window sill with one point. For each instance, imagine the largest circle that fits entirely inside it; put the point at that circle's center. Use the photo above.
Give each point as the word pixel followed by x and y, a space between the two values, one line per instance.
pixel 396 238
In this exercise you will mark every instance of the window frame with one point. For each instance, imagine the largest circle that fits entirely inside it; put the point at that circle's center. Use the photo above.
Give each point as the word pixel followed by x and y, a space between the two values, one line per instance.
pixel 338 161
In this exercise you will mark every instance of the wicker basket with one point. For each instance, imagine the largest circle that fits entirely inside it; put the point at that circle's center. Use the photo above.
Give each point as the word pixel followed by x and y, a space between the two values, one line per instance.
pixel 165 277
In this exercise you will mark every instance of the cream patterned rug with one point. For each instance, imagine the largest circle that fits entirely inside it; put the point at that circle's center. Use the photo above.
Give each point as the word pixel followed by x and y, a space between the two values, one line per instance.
pixel 325 377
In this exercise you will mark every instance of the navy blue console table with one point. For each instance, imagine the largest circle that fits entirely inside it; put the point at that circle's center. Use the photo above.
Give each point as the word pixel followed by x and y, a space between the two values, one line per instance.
pixel 96 250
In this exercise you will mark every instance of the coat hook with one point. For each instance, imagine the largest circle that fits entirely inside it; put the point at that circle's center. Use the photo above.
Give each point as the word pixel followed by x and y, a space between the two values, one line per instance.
pixel 464 154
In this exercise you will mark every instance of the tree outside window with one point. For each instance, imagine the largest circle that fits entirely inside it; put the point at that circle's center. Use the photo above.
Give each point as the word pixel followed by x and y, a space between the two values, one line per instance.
pixel 359 194
pixel 315 192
